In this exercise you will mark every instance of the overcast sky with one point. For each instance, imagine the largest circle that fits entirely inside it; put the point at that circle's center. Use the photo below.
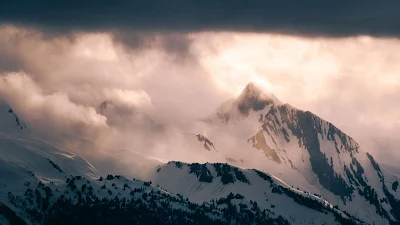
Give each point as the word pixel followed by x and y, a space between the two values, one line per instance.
pixel 179 61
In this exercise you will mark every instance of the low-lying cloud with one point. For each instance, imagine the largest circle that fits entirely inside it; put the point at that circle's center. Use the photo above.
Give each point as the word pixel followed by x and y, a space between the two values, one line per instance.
pixel 54 110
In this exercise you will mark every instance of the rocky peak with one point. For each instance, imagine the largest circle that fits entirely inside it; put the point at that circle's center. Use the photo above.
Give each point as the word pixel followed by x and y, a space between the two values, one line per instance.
pixel 207 143
pixel 254 98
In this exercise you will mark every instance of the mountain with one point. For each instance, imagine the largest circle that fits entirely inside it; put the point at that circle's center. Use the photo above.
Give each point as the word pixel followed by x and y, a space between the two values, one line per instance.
pixel 307 152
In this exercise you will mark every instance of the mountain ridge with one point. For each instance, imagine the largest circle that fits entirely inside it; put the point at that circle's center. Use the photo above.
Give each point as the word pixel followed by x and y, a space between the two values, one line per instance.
pixel 330 159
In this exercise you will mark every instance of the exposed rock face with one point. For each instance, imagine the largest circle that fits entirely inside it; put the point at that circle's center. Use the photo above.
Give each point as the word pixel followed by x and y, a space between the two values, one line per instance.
pixel 307 127
pixel 207 143
pixel 18 122
pixel 252 98
pixel 259 143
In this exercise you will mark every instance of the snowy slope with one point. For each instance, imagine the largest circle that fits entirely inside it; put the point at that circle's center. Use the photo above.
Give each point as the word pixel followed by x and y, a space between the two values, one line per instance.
pixel 207 182
pixel 392 181
pixel 303 150
pixel 26 160
pixel 53 200
pixel 42 185
pixel 117 200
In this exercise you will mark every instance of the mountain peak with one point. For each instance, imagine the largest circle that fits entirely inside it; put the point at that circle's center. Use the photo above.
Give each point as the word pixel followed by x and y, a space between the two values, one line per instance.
pixel 253 86
pixel 252 89
pixel 254 97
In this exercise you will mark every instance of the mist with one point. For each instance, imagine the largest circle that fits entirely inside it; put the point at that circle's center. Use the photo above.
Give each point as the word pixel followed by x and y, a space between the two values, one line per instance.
pixel 111 102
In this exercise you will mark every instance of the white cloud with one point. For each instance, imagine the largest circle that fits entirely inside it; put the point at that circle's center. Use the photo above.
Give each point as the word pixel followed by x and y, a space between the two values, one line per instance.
pixel 128 98
pixel 49 110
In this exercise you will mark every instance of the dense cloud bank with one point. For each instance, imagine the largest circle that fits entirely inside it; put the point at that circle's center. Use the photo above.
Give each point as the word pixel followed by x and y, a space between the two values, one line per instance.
pixel 308 18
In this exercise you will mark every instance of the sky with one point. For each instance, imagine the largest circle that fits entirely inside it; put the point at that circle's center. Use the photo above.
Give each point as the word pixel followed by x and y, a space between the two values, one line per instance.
pixel 178 62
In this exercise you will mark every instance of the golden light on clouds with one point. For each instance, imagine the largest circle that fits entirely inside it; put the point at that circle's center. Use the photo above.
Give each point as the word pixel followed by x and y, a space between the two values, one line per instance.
pixel 295 66
pixel 96 46
pixel 352 82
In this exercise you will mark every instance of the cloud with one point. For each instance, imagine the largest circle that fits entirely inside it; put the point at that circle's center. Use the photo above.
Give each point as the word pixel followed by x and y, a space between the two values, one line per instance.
pixel 9 60
pixel 175 44
pixel 310 18
pixel 94 68
pixel 90 69
pixel 128 98
pixel 53 110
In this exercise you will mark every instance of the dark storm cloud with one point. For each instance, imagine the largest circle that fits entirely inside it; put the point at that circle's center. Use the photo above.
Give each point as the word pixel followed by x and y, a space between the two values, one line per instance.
pixel 176 44
pixel 312 17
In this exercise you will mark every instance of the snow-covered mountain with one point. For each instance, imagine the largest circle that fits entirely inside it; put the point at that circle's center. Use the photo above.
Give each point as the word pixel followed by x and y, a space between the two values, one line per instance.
pixel 307 152
pixel 270 163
